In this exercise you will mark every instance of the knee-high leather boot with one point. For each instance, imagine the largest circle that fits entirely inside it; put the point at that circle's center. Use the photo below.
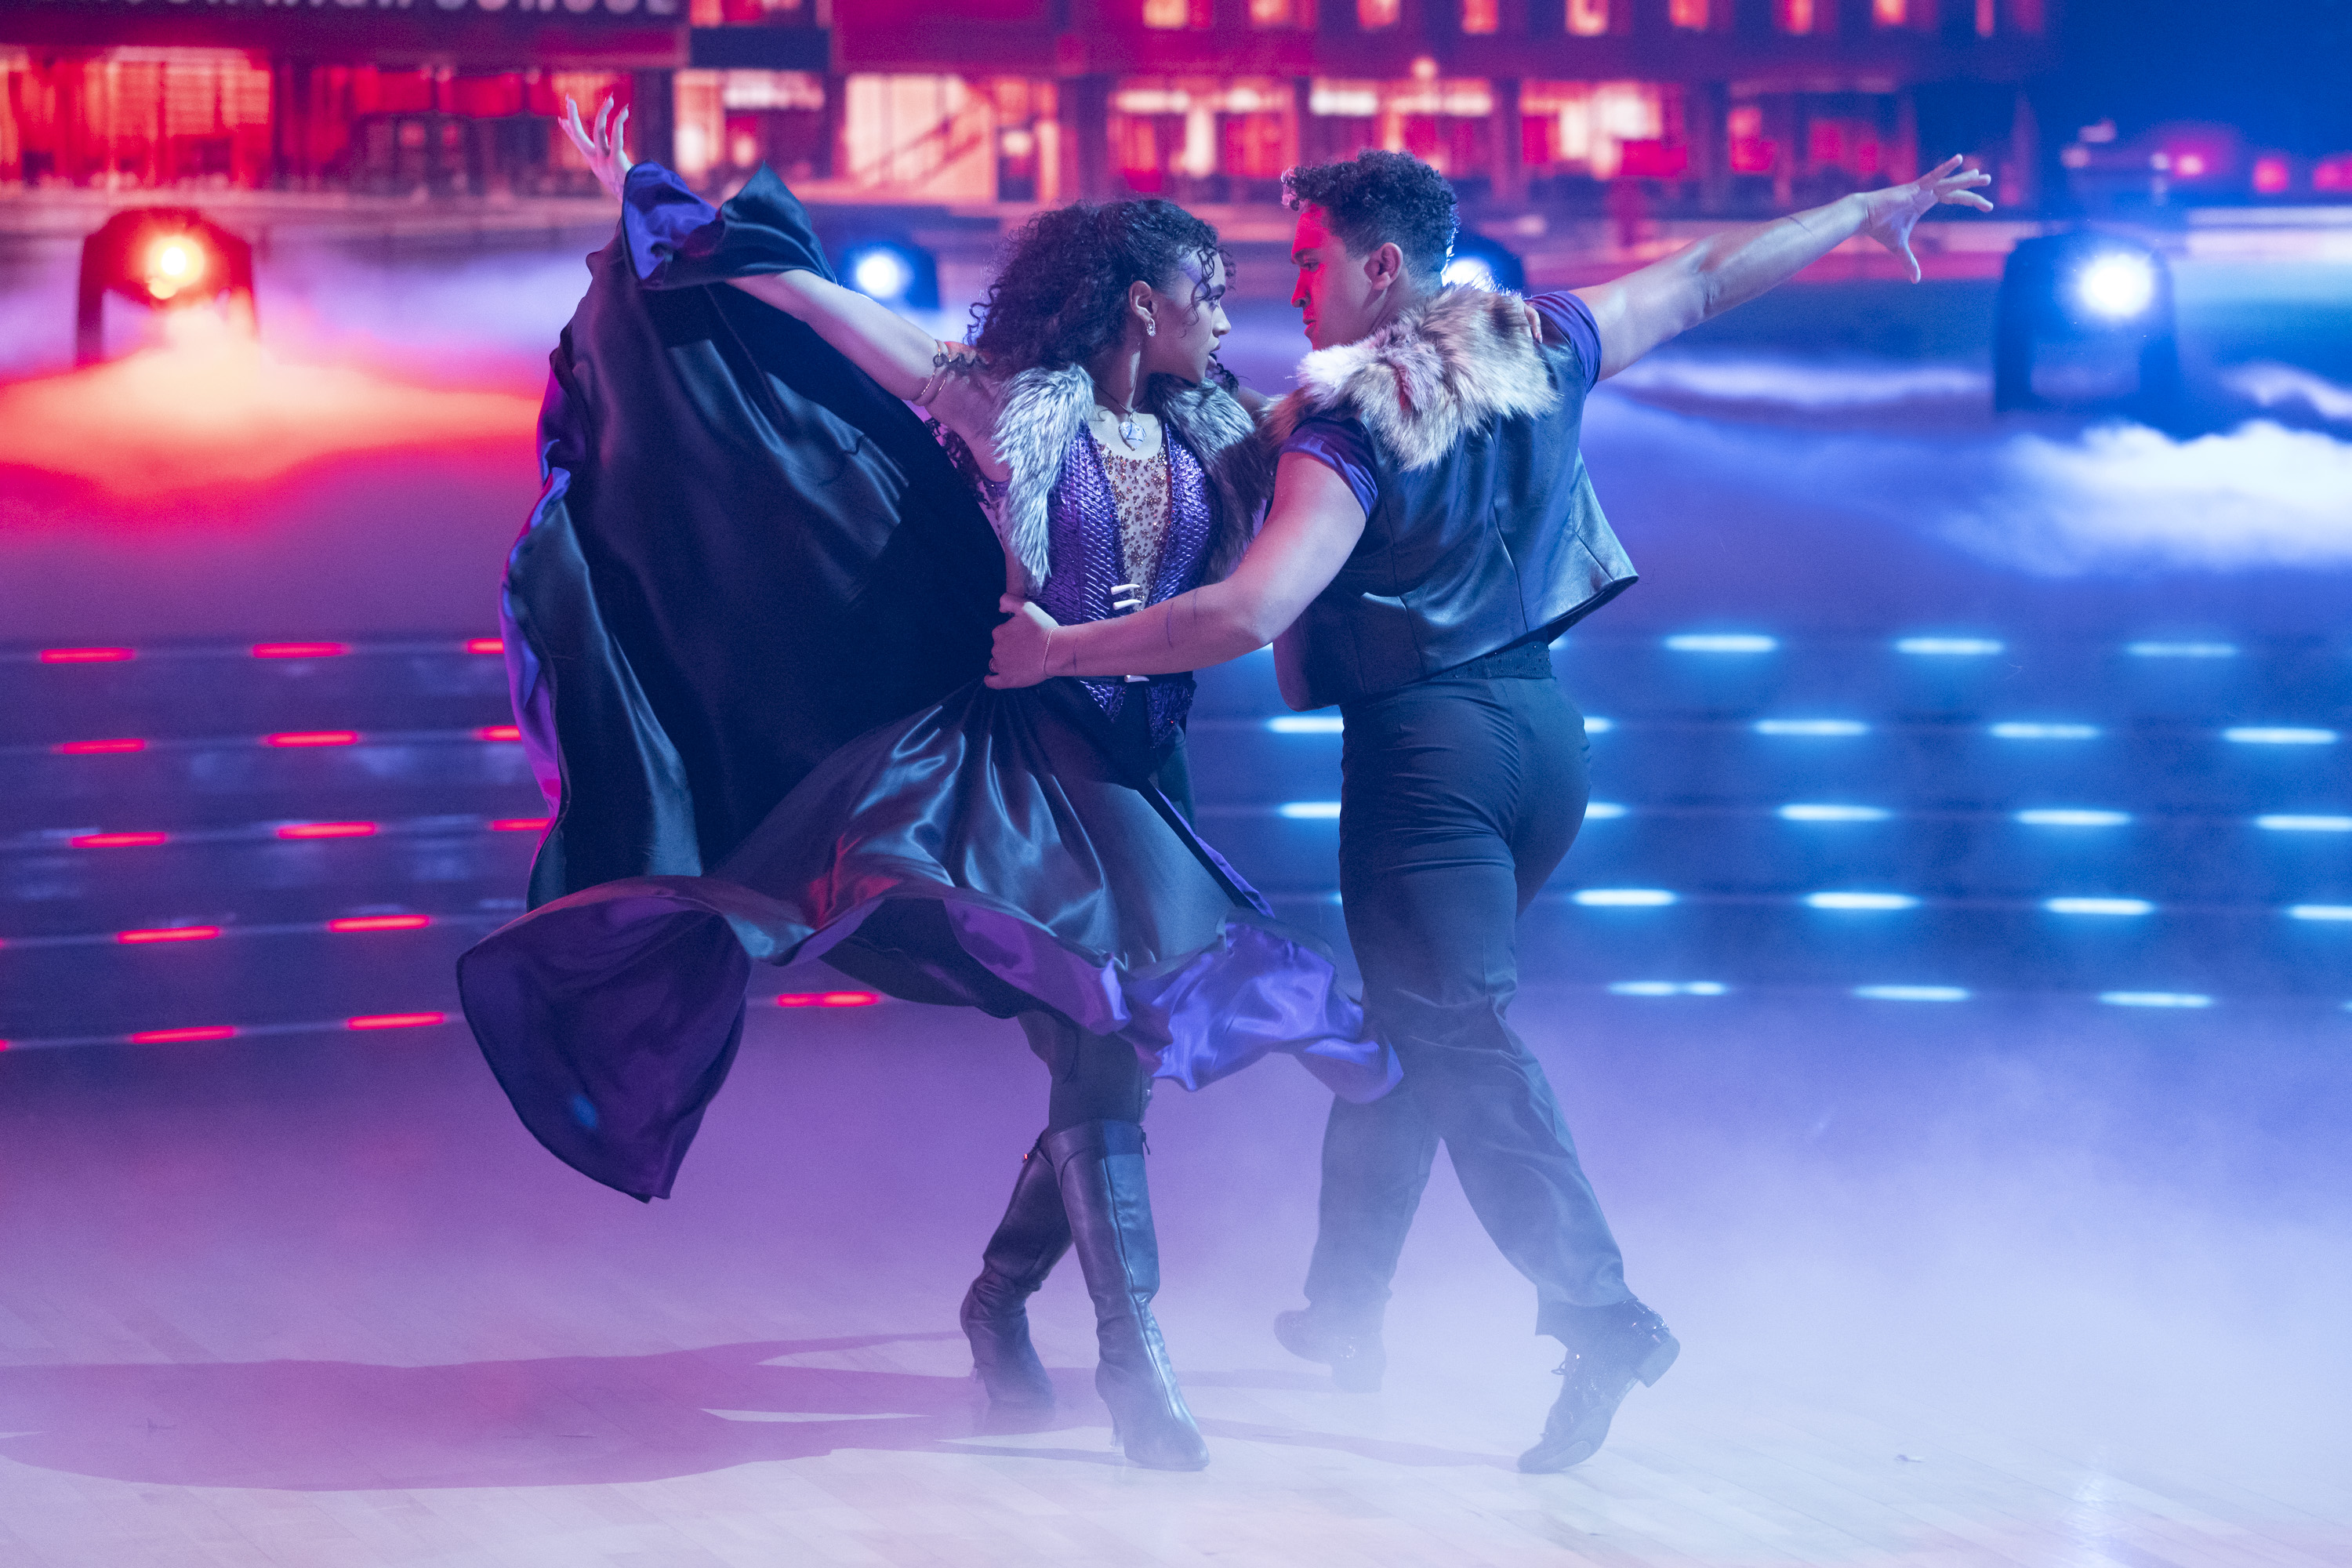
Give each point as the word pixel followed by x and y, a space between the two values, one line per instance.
pixel 1028 1242
pixel 1099 1165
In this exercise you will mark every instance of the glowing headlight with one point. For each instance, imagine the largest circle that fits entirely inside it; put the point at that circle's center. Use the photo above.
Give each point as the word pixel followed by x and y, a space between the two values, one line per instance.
pixel 2118 285
pixel 173 264
pixel 883 275
pixel 1471 271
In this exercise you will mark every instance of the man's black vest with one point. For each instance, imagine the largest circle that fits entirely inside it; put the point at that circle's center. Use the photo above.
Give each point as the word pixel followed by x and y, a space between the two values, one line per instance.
pixel 1485 531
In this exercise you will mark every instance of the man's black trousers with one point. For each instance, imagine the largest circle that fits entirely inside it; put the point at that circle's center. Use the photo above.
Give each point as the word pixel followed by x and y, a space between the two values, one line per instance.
pixel 1459 796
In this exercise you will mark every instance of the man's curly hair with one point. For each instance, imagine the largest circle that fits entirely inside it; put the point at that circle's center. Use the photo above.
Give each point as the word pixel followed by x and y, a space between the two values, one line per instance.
pixel 1377 197
pixel 1060 296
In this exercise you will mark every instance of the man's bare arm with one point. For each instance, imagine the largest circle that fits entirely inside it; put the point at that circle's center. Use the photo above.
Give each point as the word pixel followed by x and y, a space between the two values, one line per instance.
pixel 1644 308
pixel 1315 523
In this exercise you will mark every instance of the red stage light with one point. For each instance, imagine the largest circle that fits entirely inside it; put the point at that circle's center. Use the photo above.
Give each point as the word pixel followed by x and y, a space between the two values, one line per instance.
pixel 2188 166
pixel 90 747
pixel 2270 176
pixel 380 922
pixel 84 654
pixel 827 999
pixel 499 732
pixel 114 840
pixel 327 830
pixel 174 262
pixel 299 649
pixel 170 933
pixel 395 1021
pixel 486 645
pixel 312 738
pixel 169 1036
pixel 518 824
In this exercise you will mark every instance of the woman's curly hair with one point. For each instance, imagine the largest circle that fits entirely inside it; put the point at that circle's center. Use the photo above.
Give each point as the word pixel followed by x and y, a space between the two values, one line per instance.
pixel 1061 294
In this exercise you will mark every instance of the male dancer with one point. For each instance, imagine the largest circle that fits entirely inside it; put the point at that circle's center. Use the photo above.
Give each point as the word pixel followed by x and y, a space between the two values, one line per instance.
pixel 1433 530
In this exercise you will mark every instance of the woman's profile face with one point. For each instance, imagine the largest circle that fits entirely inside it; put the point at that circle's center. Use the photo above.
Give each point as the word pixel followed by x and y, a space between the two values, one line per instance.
pixel 1190 312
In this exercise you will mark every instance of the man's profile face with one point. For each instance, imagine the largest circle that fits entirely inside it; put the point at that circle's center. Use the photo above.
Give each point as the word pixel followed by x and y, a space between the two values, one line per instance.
pixel 1336 294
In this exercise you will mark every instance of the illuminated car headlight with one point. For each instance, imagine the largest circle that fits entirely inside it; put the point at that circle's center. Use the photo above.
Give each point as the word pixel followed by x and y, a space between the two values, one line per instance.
pixel 2119 285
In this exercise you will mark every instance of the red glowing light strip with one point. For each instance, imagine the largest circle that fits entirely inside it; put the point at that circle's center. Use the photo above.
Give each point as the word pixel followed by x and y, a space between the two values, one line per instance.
pixel 312 738
pixel 486 645
pixel 395 1021
pixel 499 732
pixel 299 649
pixel 170 1036
pixel 170 933
pixel 380 922
pixel 518 824
pixel 114 840
pixel 88 748
pixel 827 999
pixel 327 830
pixel 84 654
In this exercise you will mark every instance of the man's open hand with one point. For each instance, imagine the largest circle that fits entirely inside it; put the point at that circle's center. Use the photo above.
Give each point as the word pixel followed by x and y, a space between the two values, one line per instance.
pixel 1892 212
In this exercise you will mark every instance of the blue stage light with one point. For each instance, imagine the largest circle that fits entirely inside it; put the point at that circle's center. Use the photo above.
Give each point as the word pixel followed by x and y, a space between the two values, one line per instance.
pixel 1304 725
pixel 2278 735
pixel 1477 262
pixel 1853 900
pixel 2065 818
pixel 2097 905
pixel 2291 824
pixel 2117 284
pixel 1816 727
pixel 1810 813
pixel 1310 810
pixel 1722 642
pixel 1949 648
pixel 2014 730
pixel 2320 912
pixel 1603 810
pixel 1668 988
pixel 2181 649
pixel 1597 726
pixel 2155 999
pixel 1911 992
pixel 1624 898
pixel 1468 271
pixel 893 272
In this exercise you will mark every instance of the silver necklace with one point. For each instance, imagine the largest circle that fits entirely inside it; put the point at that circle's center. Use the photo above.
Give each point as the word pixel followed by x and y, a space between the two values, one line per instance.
pixel 1129 431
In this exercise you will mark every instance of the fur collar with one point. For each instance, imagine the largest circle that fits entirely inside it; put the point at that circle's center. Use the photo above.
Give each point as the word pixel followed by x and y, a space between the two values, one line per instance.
pixel 1042 412
pixel 1421 385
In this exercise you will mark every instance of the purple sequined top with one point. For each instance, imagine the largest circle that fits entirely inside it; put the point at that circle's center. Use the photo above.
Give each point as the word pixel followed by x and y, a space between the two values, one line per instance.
pixel 1083 536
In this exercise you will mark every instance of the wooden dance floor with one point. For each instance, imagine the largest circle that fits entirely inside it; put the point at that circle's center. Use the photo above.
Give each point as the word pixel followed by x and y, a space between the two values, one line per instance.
pixel 2013 1291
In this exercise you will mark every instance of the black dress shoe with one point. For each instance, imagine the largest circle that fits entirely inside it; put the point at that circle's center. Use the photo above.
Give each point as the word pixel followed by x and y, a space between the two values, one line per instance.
pixel 1635 1347
pixel 1356 1357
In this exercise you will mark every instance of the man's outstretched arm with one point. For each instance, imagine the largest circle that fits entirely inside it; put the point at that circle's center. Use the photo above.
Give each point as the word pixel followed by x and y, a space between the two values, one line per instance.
pixel 1315 523
pixel 1641 310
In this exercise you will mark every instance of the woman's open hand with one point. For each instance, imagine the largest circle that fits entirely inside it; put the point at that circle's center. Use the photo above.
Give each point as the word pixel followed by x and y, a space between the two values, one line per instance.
pixel 1891 214
pixel 606 157
pixel 1021 644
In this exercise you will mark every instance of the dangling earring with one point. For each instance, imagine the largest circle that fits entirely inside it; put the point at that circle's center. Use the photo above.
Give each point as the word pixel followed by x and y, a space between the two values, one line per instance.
pixel 1150 326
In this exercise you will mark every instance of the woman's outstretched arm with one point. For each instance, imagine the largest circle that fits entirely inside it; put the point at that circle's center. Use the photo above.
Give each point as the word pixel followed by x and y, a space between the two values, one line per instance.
pixel 895 352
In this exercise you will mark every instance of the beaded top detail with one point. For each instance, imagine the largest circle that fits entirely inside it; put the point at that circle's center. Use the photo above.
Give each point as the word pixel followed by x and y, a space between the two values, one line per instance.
pixel 1139 489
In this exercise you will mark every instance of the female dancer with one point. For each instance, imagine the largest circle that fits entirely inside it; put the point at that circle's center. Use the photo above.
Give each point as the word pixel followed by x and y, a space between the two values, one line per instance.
pixel 1027 853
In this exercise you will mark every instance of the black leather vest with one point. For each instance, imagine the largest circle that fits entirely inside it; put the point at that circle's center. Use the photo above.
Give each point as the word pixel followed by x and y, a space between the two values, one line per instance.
pixel 1500 541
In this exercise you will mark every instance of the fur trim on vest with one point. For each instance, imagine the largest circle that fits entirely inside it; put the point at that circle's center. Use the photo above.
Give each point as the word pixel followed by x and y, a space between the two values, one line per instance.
pixel 1042 413
pixel 1440 372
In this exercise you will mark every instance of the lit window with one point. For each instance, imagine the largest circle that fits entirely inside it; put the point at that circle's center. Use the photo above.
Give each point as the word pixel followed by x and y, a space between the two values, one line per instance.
pixel 1986 20
pixel 1890 13
pixel 1793 16
pixel 1167 15
pixel 1372 15
pixel 1687 13
pixel 1588 18
pixel 1282 13
pixel 1481 15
